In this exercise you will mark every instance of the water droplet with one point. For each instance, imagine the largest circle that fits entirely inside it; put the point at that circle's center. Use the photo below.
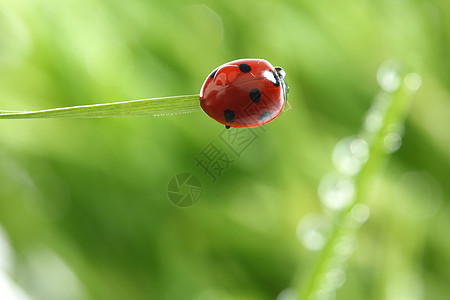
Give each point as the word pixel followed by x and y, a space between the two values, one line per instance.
pixel 350 154
pixel 336 191
pixel 392 142
pixel 374 118
pixel 50 277
pixel 325 294
pixel 388 76
pixel 287 294
pixel 413 81
pixel 345 247
pixel 397 128
pixel 381 102
pixel 360 212
pixel 336 277
pixel 312 231
pixel 359 148
pixel 5 251
pixel 373 121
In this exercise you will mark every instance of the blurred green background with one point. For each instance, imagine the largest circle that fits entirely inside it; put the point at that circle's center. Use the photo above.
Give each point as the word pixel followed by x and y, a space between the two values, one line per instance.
pixel 84 212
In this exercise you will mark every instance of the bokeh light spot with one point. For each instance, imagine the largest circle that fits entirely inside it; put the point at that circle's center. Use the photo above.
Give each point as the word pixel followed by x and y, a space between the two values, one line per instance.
pixel 312 231
pixel 413 81
pixel 350 154
pixel 388 76
pixel 287 294
pixel 360 212
pixel 336 191
pixel 392 142
pixel 336 277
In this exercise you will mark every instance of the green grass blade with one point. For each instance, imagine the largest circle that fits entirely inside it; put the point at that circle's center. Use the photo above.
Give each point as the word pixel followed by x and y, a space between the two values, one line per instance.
pixel 153 107
pixel 393 117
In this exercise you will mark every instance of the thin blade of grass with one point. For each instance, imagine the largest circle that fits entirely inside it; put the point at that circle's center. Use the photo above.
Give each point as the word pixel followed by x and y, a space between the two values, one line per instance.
pixel 393 116
pixel 152 107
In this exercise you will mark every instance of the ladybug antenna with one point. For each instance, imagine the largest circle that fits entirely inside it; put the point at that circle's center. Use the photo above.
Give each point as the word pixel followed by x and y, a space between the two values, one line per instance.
pixel 282 74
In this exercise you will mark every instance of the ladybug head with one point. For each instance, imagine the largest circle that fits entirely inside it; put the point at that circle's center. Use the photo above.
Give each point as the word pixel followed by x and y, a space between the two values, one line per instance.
pixel 282 74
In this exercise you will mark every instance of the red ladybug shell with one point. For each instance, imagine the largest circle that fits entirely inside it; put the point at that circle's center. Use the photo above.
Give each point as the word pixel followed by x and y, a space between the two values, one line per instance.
pixel 244 93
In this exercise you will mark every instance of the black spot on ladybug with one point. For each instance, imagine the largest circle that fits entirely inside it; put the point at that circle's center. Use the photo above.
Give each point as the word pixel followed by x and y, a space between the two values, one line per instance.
pixel 264 116
pixel 229 115
pixel 227 127
pixel 255 95
pixel 213 73
pixel 245 68
pixel 275 79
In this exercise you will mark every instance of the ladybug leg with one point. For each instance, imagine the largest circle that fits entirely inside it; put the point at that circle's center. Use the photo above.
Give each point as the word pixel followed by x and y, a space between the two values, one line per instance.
pixel 227 127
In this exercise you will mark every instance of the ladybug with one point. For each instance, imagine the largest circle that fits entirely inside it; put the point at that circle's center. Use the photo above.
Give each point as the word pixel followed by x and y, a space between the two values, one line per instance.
pixel 244 93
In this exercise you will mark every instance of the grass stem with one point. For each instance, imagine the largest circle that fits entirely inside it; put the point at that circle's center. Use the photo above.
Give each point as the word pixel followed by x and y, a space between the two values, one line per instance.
pixel 153 107
pixel 392 112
